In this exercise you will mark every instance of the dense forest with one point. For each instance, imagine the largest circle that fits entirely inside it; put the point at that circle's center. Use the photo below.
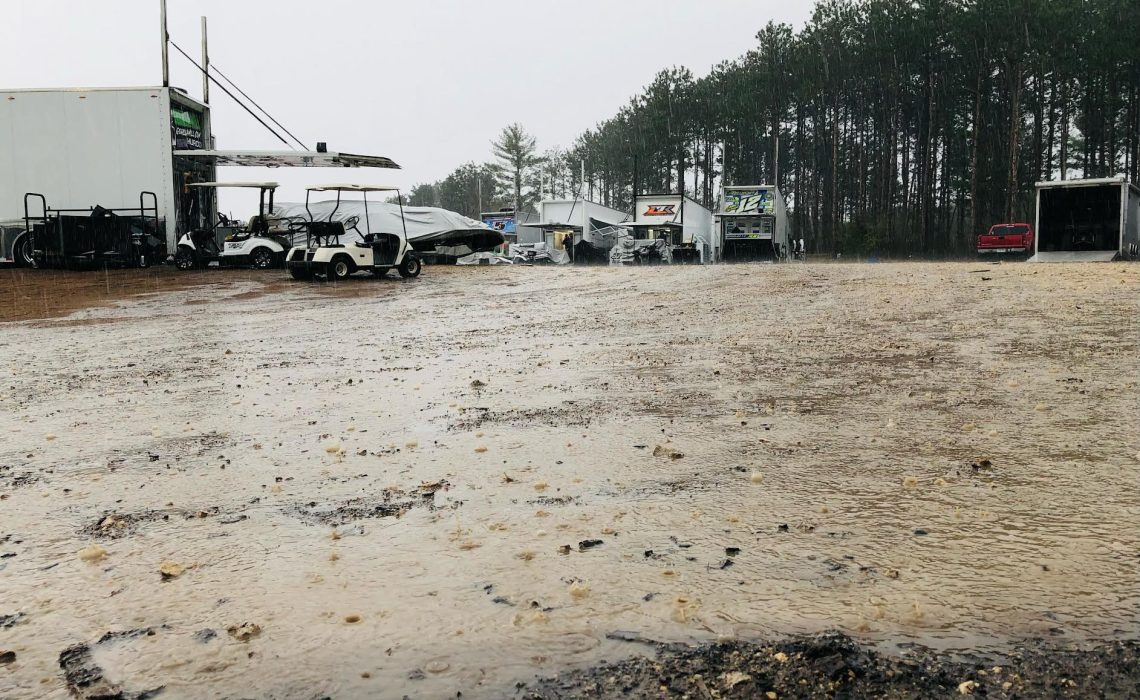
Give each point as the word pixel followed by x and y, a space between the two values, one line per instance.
pixel 896 127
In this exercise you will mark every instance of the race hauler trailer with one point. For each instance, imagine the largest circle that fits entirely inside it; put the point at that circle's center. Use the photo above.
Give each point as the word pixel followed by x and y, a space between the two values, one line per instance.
pixel 88 147
pixel 682 222
pixel 585 230
pixel 1087 220
pixel 101 147
pixel 752 224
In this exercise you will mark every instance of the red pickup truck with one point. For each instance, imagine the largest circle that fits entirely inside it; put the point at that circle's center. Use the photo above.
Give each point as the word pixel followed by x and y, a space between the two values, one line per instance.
pixel 1006 238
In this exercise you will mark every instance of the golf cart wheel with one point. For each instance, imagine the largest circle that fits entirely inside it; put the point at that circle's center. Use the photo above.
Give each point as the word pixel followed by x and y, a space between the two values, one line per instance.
pixel 184 259
pixel 339 269
pixel 262 258
pixel 410 267
pixel 300 274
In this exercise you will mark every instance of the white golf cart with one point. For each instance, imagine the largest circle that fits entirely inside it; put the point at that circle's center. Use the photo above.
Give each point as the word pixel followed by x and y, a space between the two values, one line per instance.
pixel 260 243
pixel 323 254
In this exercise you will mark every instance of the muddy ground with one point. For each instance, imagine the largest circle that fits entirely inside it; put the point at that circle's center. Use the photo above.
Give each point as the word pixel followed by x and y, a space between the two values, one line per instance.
pixel 559 482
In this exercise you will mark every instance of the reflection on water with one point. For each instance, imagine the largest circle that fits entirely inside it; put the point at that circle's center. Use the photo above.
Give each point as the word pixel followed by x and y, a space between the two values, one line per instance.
pixel 402 484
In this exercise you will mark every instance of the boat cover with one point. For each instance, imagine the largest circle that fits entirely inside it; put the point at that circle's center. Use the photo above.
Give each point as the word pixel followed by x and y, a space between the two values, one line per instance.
pixel 430 229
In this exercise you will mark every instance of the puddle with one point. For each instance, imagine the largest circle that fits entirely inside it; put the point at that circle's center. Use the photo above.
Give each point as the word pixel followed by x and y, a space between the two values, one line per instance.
pixel 484 428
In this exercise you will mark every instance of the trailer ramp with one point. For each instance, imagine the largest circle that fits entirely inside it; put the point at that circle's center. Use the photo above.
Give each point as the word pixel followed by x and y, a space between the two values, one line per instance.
pixel 1077 256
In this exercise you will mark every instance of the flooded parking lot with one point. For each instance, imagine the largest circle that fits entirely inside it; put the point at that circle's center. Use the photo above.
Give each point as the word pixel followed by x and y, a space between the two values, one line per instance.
pixel 227 481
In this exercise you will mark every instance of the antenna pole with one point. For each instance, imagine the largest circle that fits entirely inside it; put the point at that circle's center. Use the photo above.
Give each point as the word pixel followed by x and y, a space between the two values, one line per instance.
pixel 205 65
pixel 165 37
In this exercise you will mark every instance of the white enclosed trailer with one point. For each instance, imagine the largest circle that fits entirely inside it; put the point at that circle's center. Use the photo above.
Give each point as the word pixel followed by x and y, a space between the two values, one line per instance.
pixel 683 222
pixel 753 224
pixel 566 223
pixel 102 146
pixel 1087 220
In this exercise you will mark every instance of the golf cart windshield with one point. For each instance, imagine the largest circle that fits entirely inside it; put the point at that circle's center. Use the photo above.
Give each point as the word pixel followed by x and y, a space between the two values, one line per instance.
pixel 258 225
pixel 331 229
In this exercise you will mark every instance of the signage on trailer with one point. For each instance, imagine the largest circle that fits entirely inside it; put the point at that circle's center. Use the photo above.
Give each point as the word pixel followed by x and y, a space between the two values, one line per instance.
pixel 661 210
pixel 186 128
pixel 748 201
pixel 500 222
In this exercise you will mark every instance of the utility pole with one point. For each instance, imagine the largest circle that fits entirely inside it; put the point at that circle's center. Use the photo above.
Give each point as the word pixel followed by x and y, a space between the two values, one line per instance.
pixel 165 39
pixel 205 65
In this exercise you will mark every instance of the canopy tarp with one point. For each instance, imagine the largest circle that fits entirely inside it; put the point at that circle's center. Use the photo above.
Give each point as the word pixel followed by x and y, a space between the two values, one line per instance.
pixel 429 228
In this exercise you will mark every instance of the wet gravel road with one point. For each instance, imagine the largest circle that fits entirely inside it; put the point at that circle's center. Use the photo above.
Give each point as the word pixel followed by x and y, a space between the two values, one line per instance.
pixel 227 484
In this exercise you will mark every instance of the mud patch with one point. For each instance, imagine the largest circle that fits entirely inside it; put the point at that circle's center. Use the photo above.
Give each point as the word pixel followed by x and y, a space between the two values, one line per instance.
pixel 86 680
pixel 570 413
pixel 394 503
pixel 112 525
pixel 11 478
pixel 834 666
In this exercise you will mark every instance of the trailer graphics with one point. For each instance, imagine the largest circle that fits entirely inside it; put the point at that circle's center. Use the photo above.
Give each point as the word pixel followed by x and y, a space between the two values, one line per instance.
pixel 748 201
pixel 753 224
pixel 186 128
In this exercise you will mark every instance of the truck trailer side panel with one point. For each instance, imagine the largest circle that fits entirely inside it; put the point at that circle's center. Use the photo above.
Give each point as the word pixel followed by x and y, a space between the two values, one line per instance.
pixel 1131 240
pixel 82 148
pixel 698 228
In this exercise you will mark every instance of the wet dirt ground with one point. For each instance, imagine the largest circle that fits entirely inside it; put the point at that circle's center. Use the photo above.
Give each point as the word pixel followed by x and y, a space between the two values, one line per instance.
pixel 227 484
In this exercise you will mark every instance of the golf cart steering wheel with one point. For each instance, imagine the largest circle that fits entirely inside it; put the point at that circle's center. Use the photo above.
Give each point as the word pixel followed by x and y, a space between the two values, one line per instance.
pixel 351 223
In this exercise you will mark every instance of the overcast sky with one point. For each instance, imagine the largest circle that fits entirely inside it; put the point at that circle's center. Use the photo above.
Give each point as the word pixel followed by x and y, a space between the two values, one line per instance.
pixel 428 83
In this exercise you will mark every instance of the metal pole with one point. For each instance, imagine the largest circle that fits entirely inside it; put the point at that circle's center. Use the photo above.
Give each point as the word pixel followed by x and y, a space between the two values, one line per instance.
pixel 205 65
pixel 165 37
pixel 776 161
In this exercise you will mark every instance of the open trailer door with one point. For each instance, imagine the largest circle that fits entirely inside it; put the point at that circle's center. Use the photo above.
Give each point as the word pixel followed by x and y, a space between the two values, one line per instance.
pixel 1085 220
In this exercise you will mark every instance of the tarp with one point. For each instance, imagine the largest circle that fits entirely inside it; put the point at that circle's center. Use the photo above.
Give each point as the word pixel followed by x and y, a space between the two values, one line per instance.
pixel 628 250
pixel 484 259
pixel 538 254
pixel 430 229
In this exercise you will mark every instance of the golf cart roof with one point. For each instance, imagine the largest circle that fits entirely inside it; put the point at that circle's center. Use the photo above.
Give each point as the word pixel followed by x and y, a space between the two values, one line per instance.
pixel 290 159
pixel 255 185
pixel 351 188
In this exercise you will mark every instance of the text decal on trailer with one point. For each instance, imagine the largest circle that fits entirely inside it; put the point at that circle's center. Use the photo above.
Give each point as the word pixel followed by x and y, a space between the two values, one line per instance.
pixel 186 127
pixel 661 210
pixel 748 202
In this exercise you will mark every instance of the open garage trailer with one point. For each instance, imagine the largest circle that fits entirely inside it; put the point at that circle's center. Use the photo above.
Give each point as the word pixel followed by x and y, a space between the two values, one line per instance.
pixel 1087 220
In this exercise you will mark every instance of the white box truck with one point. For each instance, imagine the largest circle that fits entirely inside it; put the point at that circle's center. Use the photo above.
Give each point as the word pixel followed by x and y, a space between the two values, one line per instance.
pixel 103 146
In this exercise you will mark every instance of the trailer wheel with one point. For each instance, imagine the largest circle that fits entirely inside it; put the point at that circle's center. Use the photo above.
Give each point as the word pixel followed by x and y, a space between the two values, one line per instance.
pixel 22 252
pixel 262 258
pixel 339 269
pixel 411 267
pixel 184 259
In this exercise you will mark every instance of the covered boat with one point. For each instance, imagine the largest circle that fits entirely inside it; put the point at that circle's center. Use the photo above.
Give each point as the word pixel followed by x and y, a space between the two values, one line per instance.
pixel 429 229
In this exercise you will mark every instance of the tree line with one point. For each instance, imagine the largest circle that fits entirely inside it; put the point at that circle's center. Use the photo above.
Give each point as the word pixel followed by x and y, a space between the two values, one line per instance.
pixel 895 127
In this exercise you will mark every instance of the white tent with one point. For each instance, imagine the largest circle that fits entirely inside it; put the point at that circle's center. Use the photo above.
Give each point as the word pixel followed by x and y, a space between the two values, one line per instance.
pixel 429 229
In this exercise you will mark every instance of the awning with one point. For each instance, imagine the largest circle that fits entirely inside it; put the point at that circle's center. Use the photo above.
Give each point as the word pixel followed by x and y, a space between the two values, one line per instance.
pixel 219 185
pixel 553 226
pixel 290 159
